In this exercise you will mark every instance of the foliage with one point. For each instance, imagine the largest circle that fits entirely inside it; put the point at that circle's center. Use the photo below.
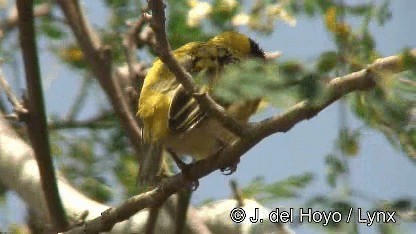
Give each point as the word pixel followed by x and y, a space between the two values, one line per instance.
pixel 283 189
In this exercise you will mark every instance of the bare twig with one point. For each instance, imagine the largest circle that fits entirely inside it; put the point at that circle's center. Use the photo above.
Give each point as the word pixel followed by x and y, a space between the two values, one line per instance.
pixel 98 121
pixel 338 87
pixel 79 98
pixel 10 23
pixel 130 46
pixel 17 105
pixel 183 77
pixel 408 82
pixel 99 57
pixel 237 193
pixel 131 87
pixel 37 127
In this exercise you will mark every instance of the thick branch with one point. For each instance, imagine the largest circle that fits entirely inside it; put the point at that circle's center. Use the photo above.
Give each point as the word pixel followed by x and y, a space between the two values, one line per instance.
pixel 336 88
pixel 99 58
pixel 183 77
pixel 37 127
pixel 19 172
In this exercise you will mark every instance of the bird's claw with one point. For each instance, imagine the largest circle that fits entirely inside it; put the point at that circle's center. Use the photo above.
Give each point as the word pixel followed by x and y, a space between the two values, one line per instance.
pixel 230 169
pixel 193 184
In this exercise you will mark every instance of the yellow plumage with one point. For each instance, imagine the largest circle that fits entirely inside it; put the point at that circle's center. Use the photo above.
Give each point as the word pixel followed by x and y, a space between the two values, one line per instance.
pixel 172 117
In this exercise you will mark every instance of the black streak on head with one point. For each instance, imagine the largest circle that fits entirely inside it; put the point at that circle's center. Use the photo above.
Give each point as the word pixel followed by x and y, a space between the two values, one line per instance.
pixel 256 51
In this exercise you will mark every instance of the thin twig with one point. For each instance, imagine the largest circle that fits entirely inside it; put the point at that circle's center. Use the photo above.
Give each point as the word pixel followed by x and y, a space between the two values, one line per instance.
pixel 37 126
pixel 130 46
pixel 408 82
pixel 98 121
pixel 79 98
pixel 237 193
pixel 99 57
pixel 183 77
pixel 10 23
pixel 337 87
pixel 17 105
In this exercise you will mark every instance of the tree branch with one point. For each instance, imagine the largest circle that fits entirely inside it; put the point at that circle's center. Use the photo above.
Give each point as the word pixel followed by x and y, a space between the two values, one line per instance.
pixel 183 77
pixel 36 122
pixel 98 56
pixel 99 121
pixel 10 23
pixel 17 105
pixel 130 46
pixel 152 219
pixel 19 172
pixel 237 193
pixel 336 88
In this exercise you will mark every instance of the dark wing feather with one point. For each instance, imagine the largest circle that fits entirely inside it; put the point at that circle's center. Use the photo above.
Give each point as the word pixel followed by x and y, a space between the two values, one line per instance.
pixel 184 112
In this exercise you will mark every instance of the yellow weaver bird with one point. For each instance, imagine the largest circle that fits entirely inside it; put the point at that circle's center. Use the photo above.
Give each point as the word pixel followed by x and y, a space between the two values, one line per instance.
pixel 173 118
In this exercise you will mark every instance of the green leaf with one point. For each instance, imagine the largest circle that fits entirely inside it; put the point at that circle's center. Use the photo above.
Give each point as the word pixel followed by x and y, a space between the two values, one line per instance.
pixel 291 68
pixel 348 142
pixel 3 191
pixel 222 14
pixel 309 87
pixel 96 189
pixel 383 13
pixel 408 60
pixel 335 168
pixel 388 228
pixel 126 172
pixel 402 204
pixel 309 7
pixel 327 61
pixel 287 188
pixel 254 79
pixel 52 30
pixel 368 42
pixel 117 3
pixel 255 187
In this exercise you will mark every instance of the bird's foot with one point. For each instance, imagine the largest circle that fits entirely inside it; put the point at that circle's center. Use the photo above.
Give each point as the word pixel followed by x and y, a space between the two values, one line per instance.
pixel 230 169
pixel 193 184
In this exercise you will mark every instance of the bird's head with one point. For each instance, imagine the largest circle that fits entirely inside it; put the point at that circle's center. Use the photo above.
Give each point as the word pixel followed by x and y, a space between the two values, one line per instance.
pixel 240 43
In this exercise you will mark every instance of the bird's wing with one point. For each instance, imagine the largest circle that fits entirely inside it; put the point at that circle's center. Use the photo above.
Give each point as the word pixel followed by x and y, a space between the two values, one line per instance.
pixel 185 112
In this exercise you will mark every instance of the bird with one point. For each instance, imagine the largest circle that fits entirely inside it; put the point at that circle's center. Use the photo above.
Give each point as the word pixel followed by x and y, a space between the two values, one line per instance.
pixel 173 118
